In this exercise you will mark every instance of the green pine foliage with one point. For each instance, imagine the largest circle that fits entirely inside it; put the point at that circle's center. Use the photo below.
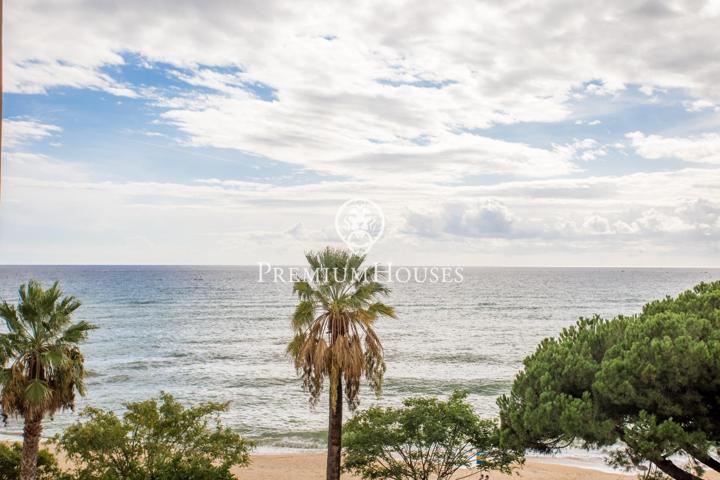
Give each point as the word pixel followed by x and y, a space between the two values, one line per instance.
pixel 650 381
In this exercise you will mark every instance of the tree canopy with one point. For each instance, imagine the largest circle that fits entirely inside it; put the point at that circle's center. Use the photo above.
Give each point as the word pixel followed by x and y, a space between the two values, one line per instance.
pixel 334 324
pixel 650 381
pixel 426 438
pixel 10 461
pixel 156 439
pixel 43 367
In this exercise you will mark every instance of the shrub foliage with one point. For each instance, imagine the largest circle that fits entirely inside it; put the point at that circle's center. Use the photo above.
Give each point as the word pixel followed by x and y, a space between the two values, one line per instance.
pixel 427 438
pixel 157 439
pixel 11 456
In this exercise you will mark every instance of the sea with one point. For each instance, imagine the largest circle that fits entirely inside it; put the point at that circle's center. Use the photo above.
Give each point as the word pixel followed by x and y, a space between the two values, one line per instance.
pixel 215 333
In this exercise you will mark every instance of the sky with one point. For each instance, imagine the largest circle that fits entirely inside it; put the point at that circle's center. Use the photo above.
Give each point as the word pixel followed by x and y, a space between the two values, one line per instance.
pixel 518 133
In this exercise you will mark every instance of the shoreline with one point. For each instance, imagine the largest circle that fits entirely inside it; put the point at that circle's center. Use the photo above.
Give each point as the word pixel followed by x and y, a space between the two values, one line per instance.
pixel 569 459
pixel 311 466
pixel 275 464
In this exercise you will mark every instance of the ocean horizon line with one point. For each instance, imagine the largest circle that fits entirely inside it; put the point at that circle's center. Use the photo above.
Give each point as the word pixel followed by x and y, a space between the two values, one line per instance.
pixel 248 265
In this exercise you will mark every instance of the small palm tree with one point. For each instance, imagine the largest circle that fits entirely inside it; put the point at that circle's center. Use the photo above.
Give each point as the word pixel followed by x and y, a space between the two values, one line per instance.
pixel 335 336
pixel 42 367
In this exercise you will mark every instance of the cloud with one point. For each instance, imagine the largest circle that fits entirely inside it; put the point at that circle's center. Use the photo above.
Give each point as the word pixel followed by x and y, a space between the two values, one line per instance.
pixel 701 213
pixel 383 146
pixel 477 46
pixel 441 115
pixel 37 77
pixel 699 105
pixel 652 215
pixel 34 167
pixel 696 220
pixel 18 132
pixel 485 219
pixel 699 149
pixel 342 90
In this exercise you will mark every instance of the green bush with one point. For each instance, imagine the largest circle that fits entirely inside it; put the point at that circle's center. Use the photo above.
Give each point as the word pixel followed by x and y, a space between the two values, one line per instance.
pixel 157 439
pixel 10 456
pixel 427 438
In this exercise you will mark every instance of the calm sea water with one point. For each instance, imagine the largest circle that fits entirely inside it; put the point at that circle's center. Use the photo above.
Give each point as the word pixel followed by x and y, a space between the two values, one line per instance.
pixel 215 333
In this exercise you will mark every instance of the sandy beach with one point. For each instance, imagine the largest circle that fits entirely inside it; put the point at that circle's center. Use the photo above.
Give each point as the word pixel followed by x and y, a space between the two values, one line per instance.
pixel 311 466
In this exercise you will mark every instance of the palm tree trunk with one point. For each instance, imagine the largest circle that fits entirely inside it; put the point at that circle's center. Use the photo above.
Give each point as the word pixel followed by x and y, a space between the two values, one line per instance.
pixel 31 445
pixel 335 432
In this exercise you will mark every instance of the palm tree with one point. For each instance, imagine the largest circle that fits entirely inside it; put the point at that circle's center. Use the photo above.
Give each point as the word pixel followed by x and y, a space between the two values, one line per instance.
pixel 335 336
pixel 42 366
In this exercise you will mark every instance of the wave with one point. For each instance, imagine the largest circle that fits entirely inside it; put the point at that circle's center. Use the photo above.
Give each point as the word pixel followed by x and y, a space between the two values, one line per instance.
pixel 448 358
pixel 179 354
pixel 417 386
pixel 144 302
pixel 115 379
pixel 265 382
pixel 310 439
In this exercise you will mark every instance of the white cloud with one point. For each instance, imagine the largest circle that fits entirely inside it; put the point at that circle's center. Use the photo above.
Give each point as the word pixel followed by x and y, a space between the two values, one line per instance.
pixel 39 76
pixel 392 98
pixel 478 45
pixel 711 8
pixel 344 142
pixel 699 105
pixel 19 132
pixel 586 149
pixel 700 149
pixel 40 168
pixel 356 93
pixel 704 215
pixel 698 220
pixel 225 221
pixel 485 219
pixel 597 225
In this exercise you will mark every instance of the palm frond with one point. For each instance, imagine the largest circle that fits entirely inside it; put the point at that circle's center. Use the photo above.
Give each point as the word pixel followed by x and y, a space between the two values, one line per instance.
pixel 43 367
pixel 304 315
pixel 341 340
pixel 37 393
pixel 76 333
pixel 303 289
pixel 382 309
pixel 10 315
pixel 54 358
